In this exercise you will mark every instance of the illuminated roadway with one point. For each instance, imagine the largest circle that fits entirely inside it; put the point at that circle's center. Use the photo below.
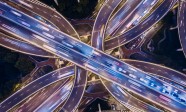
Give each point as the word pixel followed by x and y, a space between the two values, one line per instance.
pixel 181 24
pixel 43 95
pixel 117 92
pixel 131 34
pixel 56 17
pixel 31 9
pixel 101 22
pixel 169 75
pixel 22 46
pixel 135 18
pixel 66 27
pixel 122 14
pixel 35 86
pixel 77 92
pixel 50 14
pixel 55 99
pixel 88 57
pixel 5 25
pixel 26 3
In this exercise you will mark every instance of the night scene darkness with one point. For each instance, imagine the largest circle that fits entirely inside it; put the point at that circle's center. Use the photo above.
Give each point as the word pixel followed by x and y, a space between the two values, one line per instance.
pixel 92 56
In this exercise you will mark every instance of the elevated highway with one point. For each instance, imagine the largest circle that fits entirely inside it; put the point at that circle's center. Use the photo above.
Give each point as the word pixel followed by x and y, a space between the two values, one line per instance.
pixel 87 57
pixel 35 86
pixel 131 34
pixel 117 92
pixel 181 24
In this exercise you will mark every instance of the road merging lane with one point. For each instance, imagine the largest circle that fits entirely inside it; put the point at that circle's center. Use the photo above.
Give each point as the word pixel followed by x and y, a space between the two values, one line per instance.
pixel 131 34
pixel 35 86
pixel 5 25
pixel 97 42
pixel 102 66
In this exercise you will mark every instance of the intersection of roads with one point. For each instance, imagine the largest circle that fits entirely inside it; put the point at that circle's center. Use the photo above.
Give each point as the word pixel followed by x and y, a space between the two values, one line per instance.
pixel 33 28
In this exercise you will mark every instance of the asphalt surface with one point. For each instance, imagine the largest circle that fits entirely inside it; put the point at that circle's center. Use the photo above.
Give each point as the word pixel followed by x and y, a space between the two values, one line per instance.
pixel 22 46
pixel 35 86
pixel 58 97
pixel 89 58
pixel 43 13
pixel 77 92
pixel 50 14
pixel 181 25
pixel 33 102
pixel 121 15
pixel 115 90
pixel 101 22
pixel 160 71
pixel 136 17
pixel 131 34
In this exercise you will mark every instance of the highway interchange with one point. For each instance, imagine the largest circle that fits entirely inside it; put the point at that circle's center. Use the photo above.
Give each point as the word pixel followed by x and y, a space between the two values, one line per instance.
pixel 161 88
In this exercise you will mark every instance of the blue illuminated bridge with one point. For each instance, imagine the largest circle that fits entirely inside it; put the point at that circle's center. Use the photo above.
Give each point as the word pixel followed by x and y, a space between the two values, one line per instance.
pixel 31 27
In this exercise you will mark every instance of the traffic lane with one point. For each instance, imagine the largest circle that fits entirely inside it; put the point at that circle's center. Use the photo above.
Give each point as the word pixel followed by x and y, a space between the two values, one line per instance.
pixel 50 14
pixel 77 91
pixel 147 36
pixel 134 32
pixel 82 61
pixel 64 25
pixel 24 93
pixel 141 76
pixel 153 96
pixel 44 30
pixel 170 80
pixel 30 13
pixel 86 101
pixel 13 13
pixel 39 9
pixel 23 47
pixel 138 14
pixel 28 36
pixel 181 25
pixel 32 103
pixel 72 104
pixel 122 14
pixel 143 26
pixel 159 70
pixel 120 80
pixel 112 3
pixel 101 22
pixel 97 40
pixel 56 99
pixel 137 75
pixel 99 28
pixel 35 86
pixel 90 65
pixel 156 98
pixel 128 100
pixel 105 11
pixel 73 60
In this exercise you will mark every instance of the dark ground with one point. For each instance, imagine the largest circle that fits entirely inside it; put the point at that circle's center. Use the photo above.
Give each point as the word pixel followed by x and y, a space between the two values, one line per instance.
pixel 13 66
pixel 72 9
